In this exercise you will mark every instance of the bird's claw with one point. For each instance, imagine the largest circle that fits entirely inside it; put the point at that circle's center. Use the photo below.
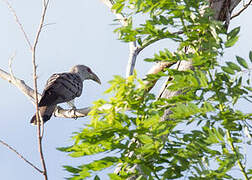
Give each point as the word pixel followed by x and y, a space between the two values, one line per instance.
pixel 74 112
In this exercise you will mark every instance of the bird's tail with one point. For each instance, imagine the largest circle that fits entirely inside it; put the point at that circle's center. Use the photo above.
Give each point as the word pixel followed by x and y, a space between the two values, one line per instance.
pixel 45 118
pixel 46 113
pixel 33 120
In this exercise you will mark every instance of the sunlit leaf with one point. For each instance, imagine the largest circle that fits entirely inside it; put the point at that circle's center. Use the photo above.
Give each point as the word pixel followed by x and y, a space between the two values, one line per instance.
pixel 242 62
pixel 227 70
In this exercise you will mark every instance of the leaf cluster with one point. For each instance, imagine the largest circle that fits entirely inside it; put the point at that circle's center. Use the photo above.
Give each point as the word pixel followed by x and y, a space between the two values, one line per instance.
pixel 197 134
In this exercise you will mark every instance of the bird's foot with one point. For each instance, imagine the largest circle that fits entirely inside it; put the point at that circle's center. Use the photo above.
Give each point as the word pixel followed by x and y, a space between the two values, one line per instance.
pixel 74 112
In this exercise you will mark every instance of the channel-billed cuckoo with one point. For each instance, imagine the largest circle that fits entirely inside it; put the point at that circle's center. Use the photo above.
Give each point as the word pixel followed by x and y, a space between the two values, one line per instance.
pixel 63 87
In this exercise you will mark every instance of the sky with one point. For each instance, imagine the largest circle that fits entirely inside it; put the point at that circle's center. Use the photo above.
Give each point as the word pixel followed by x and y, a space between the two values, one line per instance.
pixel 78 32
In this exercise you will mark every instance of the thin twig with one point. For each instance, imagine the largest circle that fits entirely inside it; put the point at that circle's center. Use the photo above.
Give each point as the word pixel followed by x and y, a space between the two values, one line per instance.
pixel 45 5
pixel 19 155
pixel 48 24
pixel 33 49
pixel 229 138
pixel 19 23
pixel 244 7
pixel 10 64
pixel 150 42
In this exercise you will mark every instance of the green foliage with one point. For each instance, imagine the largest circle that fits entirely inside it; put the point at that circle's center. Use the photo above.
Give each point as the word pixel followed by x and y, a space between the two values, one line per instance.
pixel 202 131
pixel 232 37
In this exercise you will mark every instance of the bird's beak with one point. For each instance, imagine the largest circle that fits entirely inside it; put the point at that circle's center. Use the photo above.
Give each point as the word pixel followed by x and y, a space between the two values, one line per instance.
pixel 95 78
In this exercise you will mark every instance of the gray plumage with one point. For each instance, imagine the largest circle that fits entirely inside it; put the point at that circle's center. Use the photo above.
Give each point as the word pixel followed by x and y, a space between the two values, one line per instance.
pixel 63 87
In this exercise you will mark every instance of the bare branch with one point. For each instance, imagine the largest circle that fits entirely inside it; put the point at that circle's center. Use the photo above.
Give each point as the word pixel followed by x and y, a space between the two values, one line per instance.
pixel 19 23
pixel 30 93
pixel 20 84
pixel 40 135
pixel 158 67
pixel 10 64
pixel 60 112
pixel 19 155
pixel 132 58
pixel 243 9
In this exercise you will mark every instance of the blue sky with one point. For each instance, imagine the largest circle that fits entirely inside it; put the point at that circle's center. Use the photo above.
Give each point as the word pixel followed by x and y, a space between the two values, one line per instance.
pixel 81 33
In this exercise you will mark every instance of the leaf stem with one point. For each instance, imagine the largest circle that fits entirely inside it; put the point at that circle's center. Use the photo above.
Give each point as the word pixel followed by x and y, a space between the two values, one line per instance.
pixel 242 168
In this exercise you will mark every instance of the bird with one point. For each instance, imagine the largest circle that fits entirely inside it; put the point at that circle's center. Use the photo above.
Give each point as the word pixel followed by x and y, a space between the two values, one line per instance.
pixel 63 87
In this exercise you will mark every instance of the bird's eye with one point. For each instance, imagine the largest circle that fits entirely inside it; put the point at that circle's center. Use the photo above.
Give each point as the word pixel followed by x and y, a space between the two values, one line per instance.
pixel 89 70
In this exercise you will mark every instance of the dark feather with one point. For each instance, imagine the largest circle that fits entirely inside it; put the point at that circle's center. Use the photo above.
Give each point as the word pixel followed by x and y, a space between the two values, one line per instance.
pixel 46 113
pixel 49 97
pixel 61 88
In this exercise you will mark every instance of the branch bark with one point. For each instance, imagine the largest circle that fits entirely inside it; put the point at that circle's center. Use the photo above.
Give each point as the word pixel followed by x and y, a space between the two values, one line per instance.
pixel 243 9
pixel 34 48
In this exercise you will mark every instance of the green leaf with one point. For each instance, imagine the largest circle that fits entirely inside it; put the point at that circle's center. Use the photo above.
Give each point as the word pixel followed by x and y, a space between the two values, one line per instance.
pixel 118 7
pixel 218 134
pixel 139 41
pixel 203 79
pixel 250 55
pixel 163 20
pixel 248 88
pixel 228 70
pixel 145 139
pixel 232 37
pixel 231 42
pixel 234 32
pixel 208 107
pixel 242 62
pixel 233 66
pixel 100 164
pixel 114 176
pixel 96 178
pixel 72 169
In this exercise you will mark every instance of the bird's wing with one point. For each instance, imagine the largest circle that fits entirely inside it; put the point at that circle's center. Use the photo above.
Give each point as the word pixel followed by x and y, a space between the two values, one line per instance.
pixel 61 88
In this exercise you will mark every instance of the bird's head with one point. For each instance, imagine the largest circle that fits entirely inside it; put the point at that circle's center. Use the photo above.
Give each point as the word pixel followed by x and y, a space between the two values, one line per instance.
pixel 85 73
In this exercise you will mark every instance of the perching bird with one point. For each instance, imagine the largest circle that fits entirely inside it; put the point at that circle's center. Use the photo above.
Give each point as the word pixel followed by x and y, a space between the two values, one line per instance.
pixel 63 87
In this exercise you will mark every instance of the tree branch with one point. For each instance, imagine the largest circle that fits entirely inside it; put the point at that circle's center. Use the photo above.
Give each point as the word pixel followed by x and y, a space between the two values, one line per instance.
pixel 30 93
pixel 132 58
pixel 40 135
pixel 60 112
pixel 243 9
pixel 19 155
pixel 158 67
